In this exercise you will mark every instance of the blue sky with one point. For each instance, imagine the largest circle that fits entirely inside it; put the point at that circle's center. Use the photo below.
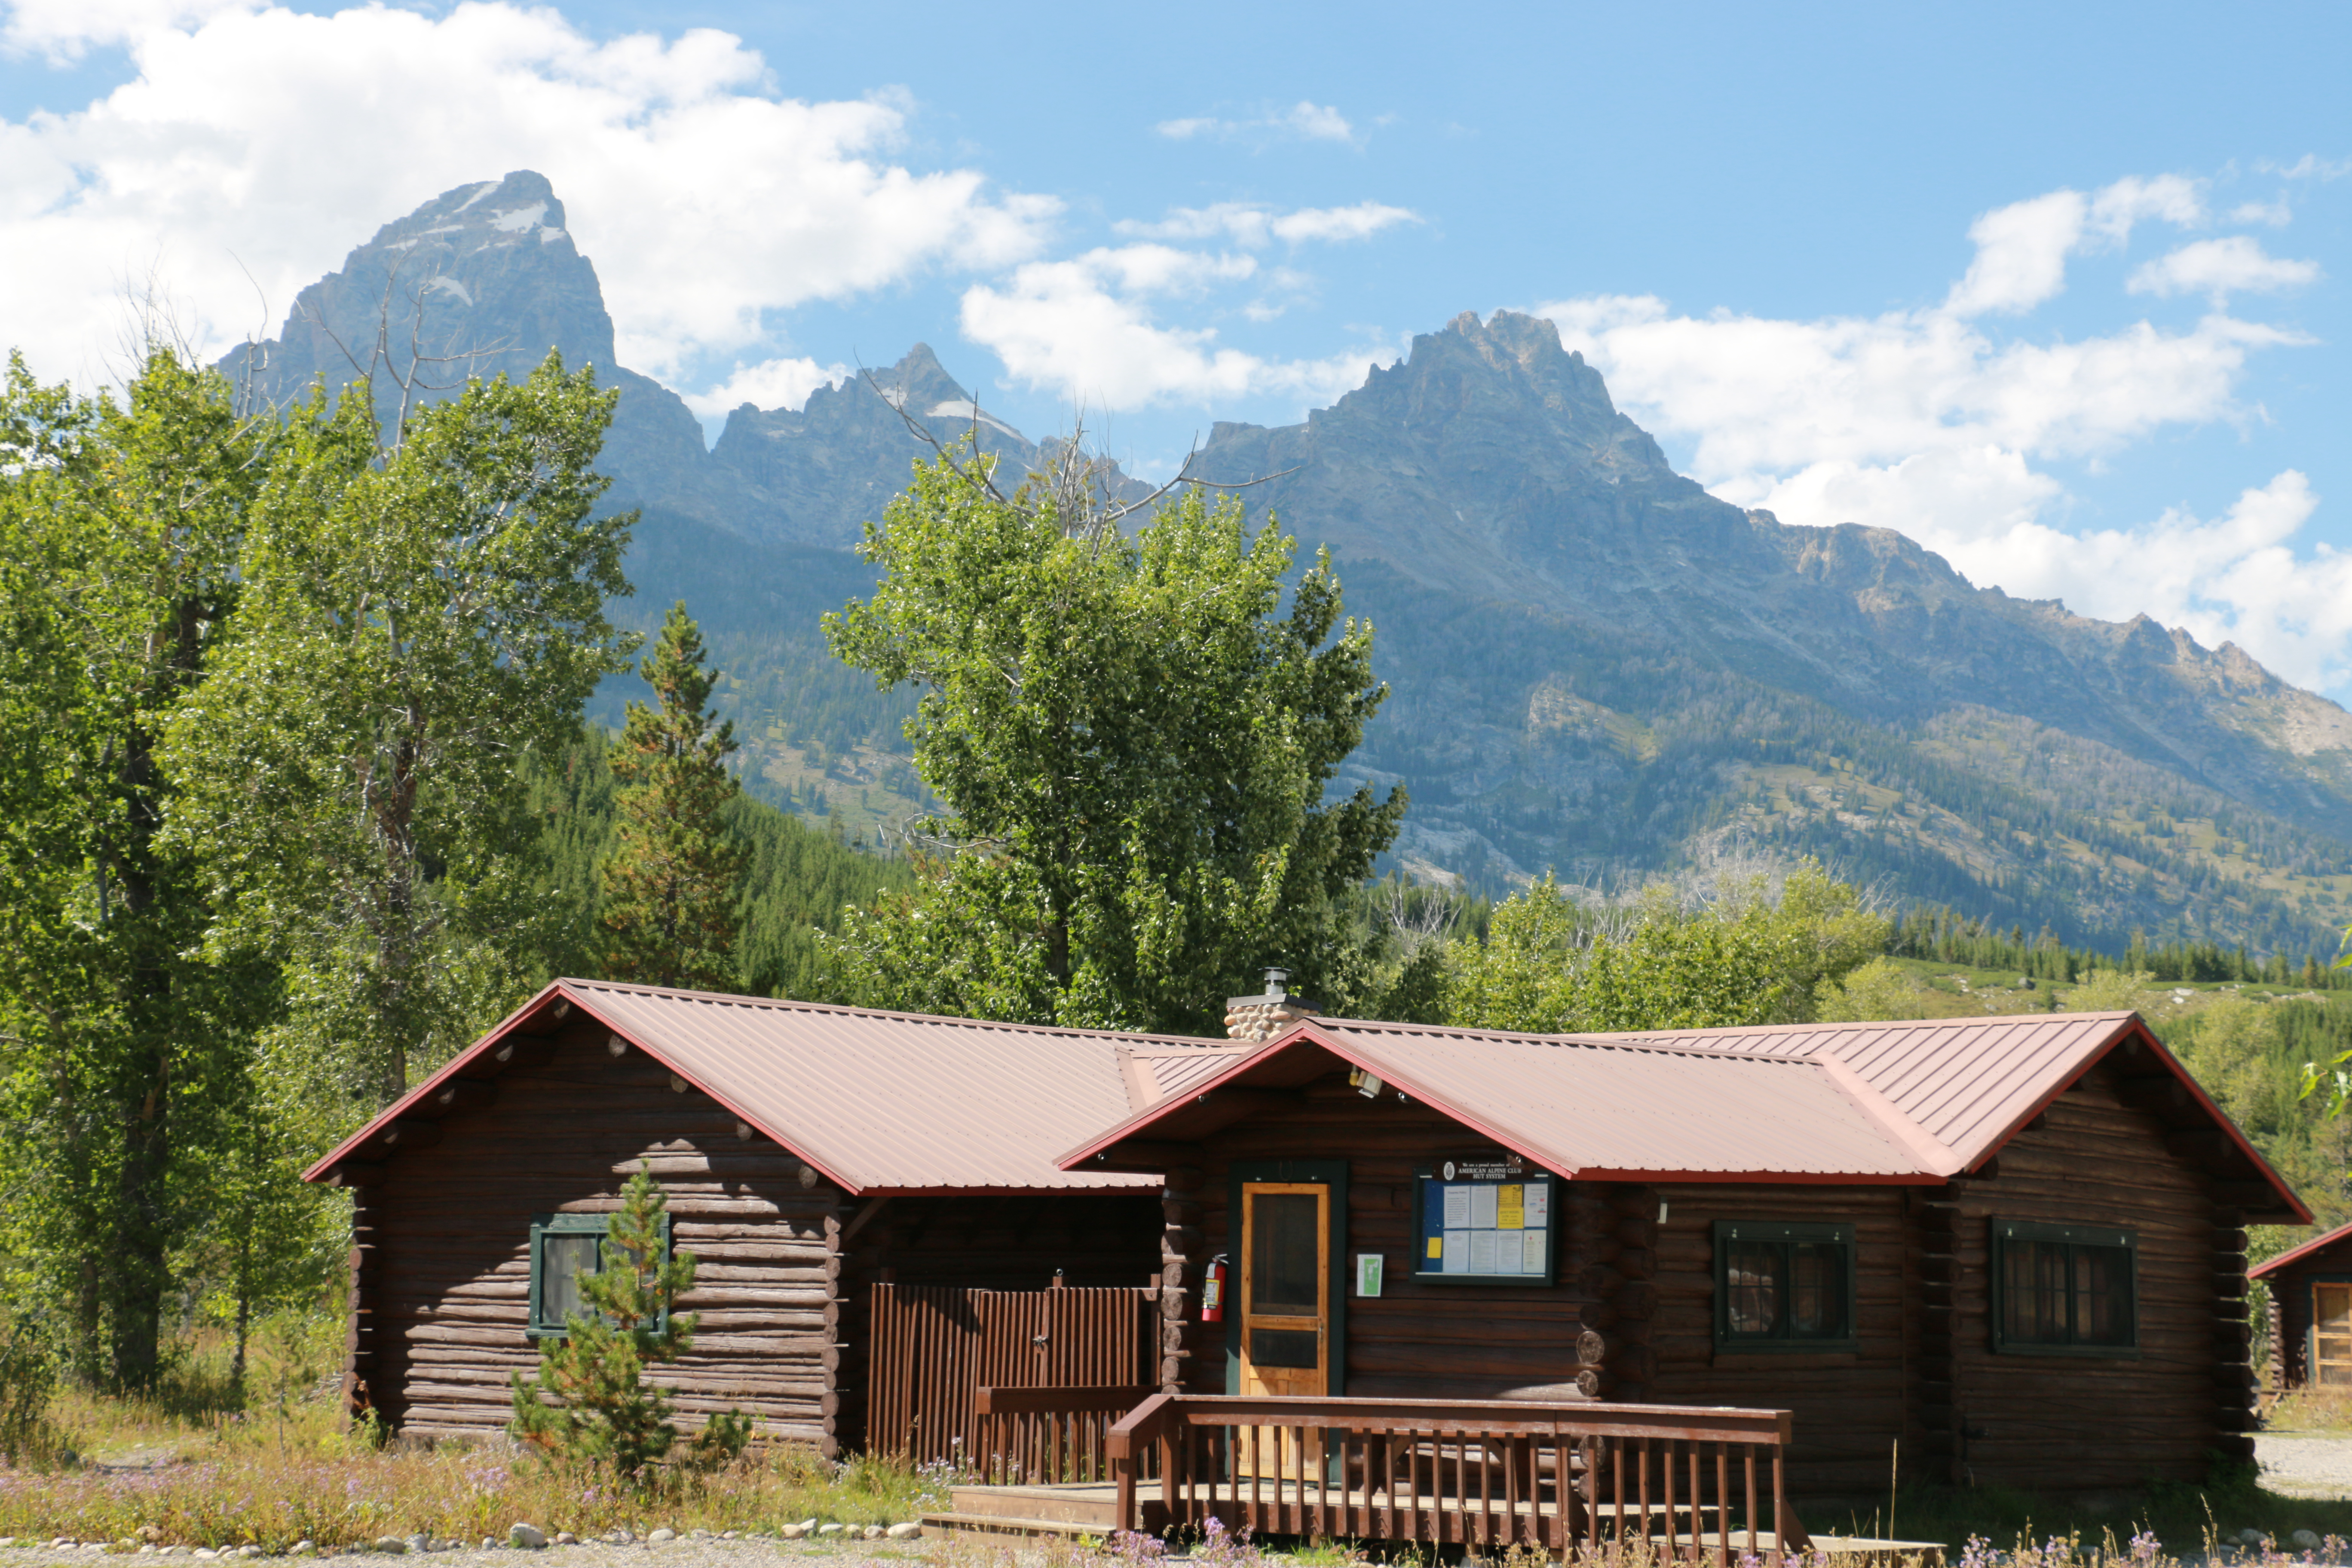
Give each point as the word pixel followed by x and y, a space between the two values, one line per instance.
pixel 2062 296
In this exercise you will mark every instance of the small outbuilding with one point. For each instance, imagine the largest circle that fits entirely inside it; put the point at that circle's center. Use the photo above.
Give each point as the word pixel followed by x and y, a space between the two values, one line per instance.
pixel 2311 1313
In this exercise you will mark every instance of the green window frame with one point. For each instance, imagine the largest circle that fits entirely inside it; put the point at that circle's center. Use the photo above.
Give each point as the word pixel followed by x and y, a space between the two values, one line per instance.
pixel 1784 1287
pixel 555 1247
pixel 2064 1289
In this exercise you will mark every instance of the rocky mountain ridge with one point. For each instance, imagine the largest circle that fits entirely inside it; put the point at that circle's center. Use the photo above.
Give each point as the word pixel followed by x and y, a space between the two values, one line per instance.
pixel 1595 665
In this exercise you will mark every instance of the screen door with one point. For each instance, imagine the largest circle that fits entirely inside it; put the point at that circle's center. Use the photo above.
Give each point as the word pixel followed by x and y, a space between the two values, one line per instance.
pixel 2331 1335
pixel 1286 1312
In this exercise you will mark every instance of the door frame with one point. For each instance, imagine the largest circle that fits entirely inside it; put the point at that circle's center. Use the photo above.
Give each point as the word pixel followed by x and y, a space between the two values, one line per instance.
pixel 1330 1173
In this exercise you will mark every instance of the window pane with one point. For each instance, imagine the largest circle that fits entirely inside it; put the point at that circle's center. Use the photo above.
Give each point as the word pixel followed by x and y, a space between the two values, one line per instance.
pixel 2033 1292
pixel 1817 1291
pixel 563 1260
pixel 2103 1304
pixel 1282 1253
pixel 1285 1347
pixel 1754 1282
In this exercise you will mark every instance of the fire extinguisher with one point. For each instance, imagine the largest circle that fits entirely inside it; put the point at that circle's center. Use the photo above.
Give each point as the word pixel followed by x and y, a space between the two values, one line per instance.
pixel 1213 1291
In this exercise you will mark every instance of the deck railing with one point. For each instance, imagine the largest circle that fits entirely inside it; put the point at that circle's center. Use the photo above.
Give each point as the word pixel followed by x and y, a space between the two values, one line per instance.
pixel 1049 1436
pixel 1697 1484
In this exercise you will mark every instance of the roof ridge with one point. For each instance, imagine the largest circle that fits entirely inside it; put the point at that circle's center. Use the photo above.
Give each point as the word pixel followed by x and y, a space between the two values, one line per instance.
pixel 1626 1042
pixel 733 999
pixel 2027 1020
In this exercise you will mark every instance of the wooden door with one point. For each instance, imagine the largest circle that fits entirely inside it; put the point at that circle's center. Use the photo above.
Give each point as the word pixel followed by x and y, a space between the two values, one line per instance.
pixel 2331 1335
pixel 1286 1311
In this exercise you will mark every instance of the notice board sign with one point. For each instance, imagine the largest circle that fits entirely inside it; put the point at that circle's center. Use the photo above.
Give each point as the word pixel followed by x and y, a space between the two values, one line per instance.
pixel 1486 1219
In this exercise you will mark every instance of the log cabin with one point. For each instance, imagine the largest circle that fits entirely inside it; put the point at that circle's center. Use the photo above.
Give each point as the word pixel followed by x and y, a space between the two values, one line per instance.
pixel 2311 1313
pixel 806 1153
pixel 2014 1247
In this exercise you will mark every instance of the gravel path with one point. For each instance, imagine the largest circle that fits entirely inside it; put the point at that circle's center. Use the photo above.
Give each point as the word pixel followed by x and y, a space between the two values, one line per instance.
pixel 2305 1464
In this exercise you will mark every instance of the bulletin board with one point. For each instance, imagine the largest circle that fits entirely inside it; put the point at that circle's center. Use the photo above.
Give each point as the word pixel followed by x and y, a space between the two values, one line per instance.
pixel 1486 1219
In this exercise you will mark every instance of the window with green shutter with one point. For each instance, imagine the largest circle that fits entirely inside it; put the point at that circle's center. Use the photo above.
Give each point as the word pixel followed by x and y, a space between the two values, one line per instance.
pixel 1783 1286
pixel 2064 1289
pixel 564 1247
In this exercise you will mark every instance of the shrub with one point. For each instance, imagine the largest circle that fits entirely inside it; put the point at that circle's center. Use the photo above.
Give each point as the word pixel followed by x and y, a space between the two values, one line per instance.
pixel 29 1380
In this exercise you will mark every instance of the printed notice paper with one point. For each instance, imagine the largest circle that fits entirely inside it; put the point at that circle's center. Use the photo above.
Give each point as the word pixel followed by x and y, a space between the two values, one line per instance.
pixel 1481 1250
pixel 1538 1205
pixel 1508 1208
pixel 1482 1213
pixel 1532 1252
pixel 1457 1208
pixel 1457 1251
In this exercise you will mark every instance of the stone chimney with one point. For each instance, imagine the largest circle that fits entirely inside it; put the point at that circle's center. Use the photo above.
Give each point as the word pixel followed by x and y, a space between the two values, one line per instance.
pixel 1259 1018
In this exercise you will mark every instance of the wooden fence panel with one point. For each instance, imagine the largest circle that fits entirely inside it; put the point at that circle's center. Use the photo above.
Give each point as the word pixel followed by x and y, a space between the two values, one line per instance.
pixel 933 1347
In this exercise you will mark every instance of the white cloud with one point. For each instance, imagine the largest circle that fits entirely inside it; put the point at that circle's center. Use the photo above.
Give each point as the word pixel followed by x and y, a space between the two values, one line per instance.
pixel 1930 422
pixel 2022 253
pixel 1308 121
pixel 63 31
pixel 2219 268
pixel 2238 578
pixel 1084 328
pixel 2022 248
pixel 1246 224
pixel 2310 166
pixel 771 383
pixel 265 141
pixel 1318 123
pixel 2277 213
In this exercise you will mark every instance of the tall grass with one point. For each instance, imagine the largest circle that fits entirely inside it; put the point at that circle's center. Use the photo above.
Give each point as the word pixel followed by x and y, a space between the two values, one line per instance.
pixel 346 1493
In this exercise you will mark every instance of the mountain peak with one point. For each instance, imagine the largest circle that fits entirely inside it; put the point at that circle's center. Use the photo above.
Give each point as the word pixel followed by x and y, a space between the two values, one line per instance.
pixel 521 209
pixel 484 278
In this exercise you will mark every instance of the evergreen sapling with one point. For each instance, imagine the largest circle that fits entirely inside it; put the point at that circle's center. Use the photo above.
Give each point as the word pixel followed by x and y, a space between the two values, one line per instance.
pixel 590 1405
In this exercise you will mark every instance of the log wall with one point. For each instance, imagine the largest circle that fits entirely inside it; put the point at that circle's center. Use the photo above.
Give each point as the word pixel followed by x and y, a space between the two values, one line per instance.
pixel 2023 1420
pixel 2291 1315
pixel 442 1263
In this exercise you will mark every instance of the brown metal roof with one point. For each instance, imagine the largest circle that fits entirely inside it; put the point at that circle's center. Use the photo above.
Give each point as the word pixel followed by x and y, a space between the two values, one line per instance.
pixel 2296 1254
pixel 1872 1102
pixel 1594 1108
pixel 880 1102
pixel 1966 1083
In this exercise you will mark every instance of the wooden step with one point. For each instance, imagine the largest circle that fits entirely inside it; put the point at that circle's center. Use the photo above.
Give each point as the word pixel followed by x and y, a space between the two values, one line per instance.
pixel 1094 1508
pixel 1004 1524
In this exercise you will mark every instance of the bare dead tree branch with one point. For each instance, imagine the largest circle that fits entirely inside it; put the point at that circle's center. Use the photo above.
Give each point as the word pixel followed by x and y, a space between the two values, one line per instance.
pixel 1078 498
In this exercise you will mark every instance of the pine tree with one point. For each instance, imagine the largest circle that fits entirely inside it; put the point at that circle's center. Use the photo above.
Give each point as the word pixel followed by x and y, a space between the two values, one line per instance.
pixel 590 1405
pixel 670 886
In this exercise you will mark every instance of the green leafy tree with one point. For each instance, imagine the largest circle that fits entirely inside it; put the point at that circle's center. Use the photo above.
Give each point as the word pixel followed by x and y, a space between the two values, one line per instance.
pixel 1551 963
pixel 1131 738
pixel 127 1049
pixel 670 886
pixel 589 1404
pixel 416 622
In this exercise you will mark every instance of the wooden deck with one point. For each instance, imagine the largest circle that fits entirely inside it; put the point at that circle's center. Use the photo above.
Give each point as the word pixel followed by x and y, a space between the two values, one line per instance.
pixel 1082 1508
